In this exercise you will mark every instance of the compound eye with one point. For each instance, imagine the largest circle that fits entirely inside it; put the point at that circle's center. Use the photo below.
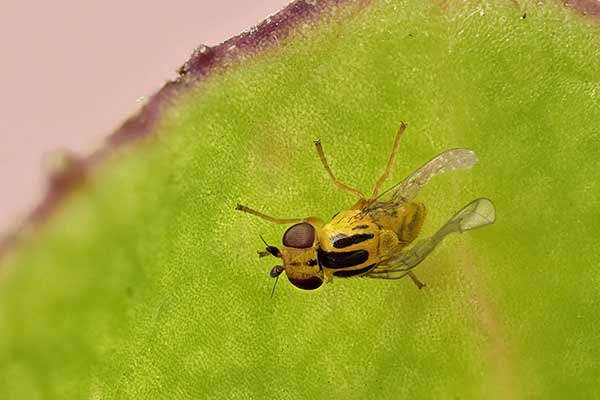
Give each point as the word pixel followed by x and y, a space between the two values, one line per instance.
pixel 310 283
pixel 299 236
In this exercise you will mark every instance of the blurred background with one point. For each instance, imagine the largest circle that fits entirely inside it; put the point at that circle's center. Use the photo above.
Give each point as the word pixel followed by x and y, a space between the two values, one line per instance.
pixel 72 72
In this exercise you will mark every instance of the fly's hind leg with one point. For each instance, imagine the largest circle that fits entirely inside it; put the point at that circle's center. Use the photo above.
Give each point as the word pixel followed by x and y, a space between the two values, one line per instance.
pixel 391 161
pixel 478 213
pixel 416 281
pixel 337 183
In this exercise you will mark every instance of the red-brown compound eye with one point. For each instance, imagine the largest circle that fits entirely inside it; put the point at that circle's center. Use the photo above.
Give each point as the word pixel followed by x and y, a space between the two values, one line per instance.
pixel 299 236
pixel 310 283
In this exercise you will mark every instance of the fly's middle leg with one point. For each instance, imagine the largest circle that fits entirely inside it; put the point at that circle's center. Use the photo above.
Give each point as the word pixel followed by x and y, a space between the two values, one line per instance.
pixel 391 161
pixel 336 182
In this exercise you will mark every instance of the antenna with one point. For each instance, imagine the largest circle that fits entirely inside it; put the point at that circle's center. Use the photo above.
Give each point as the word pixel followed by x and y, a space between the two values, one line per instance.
pixel 274 251
pixel 274 285
pixel 263 240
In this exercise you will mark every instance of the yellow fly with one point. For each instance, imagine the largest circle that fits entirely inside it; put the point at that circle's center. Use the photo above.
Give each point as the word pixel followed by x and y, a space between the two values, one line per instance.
pixel 371 238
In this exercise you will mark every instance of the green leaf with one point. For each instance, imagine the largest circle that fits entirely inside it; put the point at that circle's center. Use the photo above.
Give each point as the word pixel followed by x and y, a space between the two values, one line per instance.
pixel 143 282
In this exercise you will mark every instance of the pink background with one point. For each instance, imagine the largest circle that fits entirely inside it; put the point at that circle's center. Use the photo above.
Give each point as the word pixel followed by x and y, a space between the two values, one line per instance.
pixel 71 72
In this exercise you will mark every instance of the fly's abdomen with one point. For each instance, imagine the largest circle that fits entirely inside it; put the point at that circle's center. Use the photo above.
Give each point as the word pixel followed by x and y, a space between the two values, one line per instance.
pixel 410 222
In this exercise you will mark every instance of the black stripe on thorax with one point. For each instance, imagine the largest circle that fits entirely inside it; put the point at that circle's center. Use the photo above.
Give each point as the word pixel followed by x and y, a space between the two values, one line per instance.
pixel 355 272
pixel 340 241
pixel 357 227
pixel 342 259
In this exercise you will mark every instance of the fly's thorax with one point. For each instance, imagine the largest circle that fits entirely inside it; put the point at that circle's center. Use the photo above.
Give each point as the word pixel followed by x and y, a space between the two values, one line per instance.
pixel 349 244
pixel 350 230
pixel 299 254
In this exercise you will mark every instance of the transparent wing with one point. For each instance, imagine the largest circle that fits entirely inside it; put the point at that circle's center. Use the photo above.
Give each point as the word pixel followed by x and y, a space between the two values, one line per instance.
pixel 476 214
pixel 408 189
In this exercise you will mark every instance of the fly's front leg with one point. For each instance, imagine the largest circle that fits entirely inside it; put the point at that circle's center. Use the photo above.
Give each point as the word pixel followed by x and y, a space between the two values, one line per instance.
pixel 312 220
pixel 267 217
pixel 337 183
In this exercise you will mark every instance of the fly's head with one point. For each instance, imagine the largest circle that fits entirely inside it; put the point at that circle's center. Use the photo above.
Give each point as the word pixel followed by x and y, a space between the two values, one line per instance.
pixel 299 255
